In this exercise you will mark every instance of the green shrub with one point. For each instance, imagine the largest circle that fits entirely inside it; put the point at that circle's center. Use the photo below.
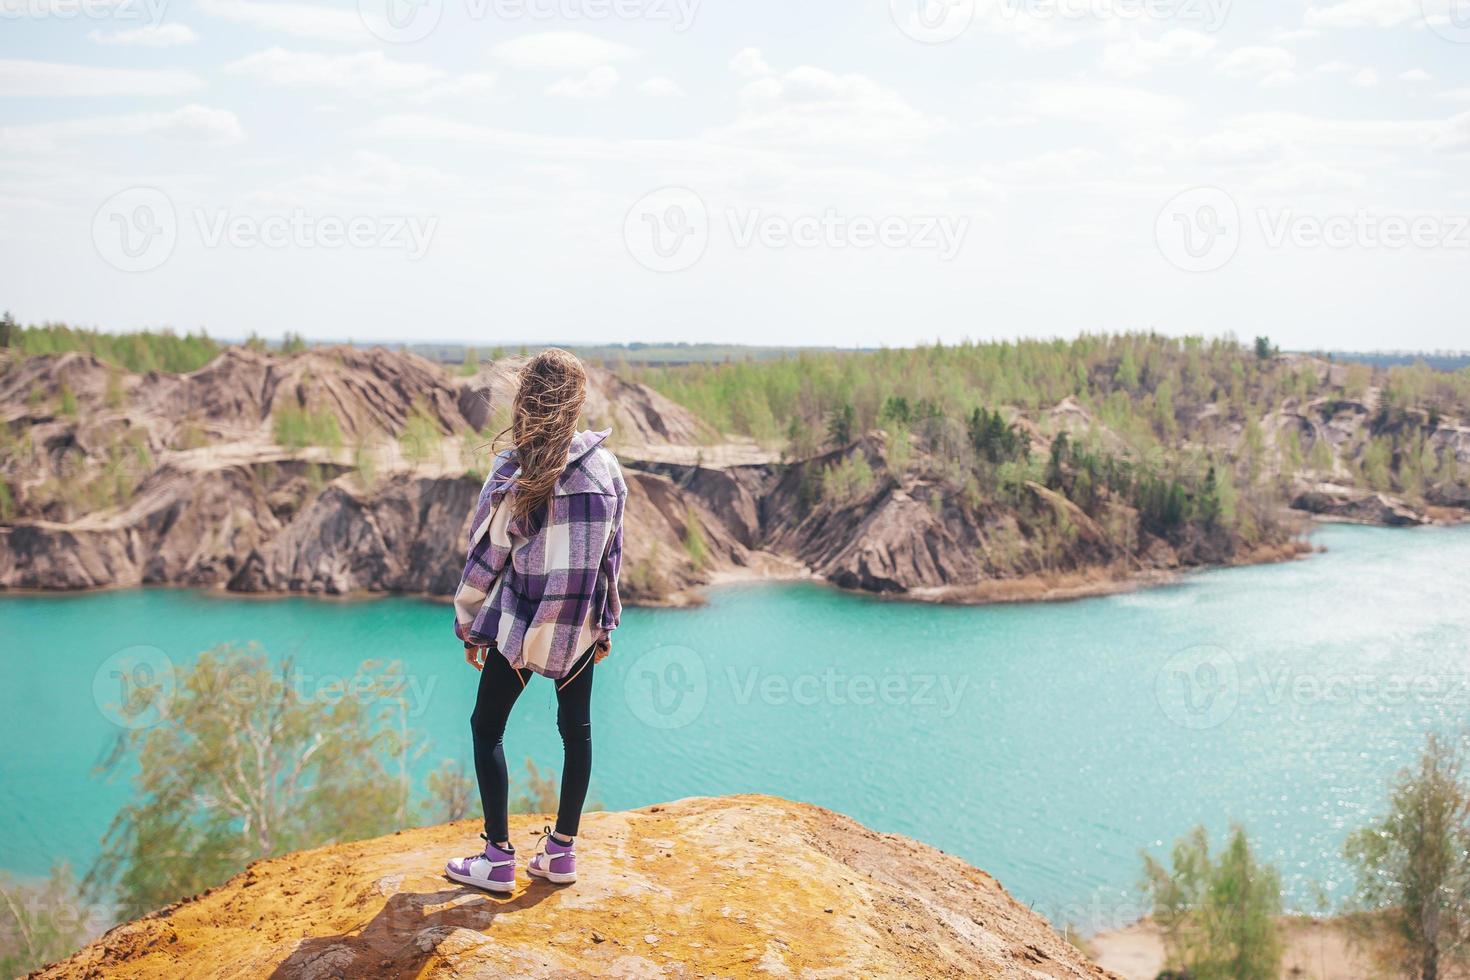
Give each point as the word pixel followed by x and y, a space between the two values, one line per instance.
pixel 1218 915
pixel 40 923
pixel 694 541
pixel 246 764
pixel 420 437
pixel 1413 868
pixel 138 352
pixel 297 427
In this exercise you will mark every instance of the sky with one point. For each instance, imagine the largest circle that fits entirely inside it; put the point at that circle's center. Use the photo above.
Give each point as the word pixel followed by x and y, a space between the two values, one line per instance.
pixel 835 172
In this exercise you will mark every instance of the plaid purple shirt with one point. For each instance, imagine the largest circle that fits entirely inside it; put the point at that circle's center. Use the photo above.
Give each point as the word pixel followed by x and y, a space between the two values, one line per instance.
pixel 544 592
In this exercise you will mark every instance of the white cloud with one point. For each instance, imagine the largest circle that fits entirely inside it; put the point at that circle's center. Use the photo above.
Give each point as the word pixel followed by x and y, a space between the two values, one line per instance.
pixel 817 108
pixel 367 178
pixel 148 36
pixel 1111 106
pixel 1311 177
pixel 1268 66
pixel 596 84
pixel 561 51
pixel 1292 36
pixel 1454 136
pixel 1034 30
pixel 1362 13
pixel 1295 128
pixel 748 63
pixel 1361 77
pixel 1416 75
pixel 1455 95
pixel 1054 166
pixel 1139 56
pixel 417 128
pixel 1227 147
pixel 363 73
pixel 317 22
pixel 192 123
pixel 659 87
pixel 466 85
pixel 37 79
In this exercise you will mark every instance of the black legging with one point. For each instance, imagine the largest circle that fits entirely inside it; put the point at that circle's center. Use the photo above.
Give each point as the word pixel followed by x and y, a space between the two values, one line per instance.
pixel 500 685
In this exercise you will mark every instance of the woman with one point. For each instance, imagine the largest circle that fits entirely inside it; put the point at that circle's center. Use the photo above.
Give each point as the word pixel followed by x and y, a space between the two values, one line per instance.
pixel 540 594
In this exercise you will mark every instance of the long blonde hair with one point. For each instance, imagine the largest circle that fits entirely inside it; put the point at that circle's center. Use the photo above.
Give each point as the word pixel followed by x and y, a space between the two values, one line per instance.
pixel 548 402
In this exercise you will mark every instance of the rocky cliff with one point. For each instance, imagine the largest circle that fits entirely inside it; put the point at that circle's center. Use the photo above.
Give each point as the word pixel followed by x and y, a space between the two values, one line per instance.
pixel 114 479
pixel 338 470
pixel 736 886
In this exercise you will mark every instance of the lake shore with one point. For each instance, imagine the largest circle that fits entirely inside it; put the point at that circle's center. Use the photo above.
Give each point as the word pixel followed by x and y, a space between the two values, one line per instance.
pixel 1315 949
pixel 1065 586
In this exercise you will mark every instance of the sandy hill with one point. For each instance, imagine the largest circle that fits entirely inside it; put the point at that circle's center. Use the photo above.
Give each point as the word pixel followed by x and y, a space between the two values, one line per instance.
pixel 733 886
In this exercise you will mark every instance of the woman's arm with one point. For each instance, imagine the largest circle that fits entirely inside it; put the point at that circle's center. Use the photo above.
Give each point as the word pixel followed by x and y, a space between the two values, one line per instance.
pixel 611 605
pixel 489 551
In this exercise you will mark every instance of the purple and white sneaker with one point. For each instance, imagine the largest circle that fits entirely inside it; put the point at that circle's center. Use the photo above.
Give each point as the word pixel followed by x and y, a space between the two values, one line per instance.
pixel 493 870
pixel 554 861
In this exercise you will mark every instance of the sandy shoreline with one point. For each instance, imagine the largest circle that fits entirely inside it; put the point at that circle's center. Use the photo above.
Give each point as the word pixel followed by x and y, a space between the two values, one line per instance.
pixel 1316 949
pixel 1058 587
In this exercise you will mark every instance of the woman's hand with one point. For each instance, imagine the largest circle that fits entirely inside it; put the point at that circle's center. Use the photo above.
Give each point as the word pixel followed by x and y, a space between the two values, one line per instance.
pixel 475 656
pixel 602 648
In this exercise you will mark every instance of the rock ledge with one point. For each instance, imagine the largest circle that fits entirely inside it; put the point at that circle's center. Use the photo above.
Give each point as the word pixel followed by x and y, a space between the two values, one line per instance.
pixel 728 886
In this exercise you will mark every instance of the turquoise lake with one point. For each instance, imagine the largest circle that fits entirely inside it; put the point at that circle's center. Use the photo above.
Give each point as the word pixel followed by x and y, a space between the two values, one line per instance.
pixel 1047 744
